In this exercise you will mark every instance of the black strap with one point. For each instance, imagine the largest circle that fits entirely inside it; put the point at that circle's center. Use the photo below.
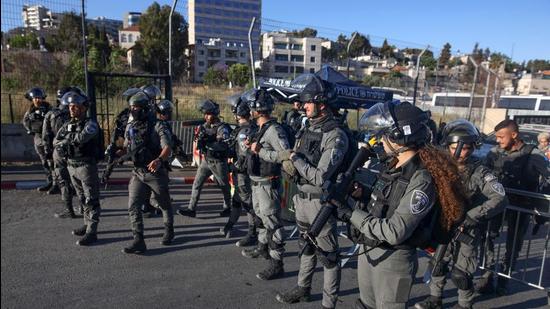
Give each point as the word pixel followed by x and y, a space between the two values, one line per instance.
pixel 264 128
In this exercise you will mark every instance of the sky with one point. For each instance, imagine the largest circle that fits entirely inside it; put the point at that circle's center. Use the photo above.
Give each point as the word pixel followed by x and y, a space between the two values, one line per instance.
pixel 506 26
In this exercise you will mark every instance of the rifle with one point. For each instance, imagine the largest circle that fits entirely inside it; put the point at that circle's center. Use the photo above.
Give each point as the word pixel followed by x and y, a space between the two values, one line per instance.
pixel 110 154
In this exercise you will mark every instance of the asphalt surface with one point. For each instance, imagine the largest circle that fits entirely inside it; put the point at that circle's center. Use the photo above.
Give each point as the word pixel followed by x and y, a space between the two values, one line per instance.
pixel 42 267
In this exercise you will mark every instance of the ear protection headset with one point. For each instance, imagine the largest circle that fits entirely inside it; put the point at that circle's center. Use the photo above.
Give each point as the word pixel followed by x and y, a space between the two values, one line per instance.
pixel 402 130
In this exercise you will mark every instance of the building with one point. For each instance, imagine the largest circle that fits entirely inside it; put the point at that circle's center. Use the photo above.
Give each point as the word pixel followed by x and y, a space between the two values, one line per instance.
pixel 131 19
pixel 219 30
pixel 39 17
pixel 127 37
pixel 286 56
pixel 111 26
pixel 216 53
pixel 533 84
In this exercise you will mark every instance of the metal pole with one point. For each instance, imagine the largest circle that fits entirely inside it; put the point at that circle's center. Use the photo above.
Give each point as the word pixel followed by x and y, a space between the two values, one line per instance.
pixel 92 111
pixel 348 47
pixel 170 38
pixel 250 50
pixel 473 87
pixel 417 73
pixel 485 98
pixel 11 108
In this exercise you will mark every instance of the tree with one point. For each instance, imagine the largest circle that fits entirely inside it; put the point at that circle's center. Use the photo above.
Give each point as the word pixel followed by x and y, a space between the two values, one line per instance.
pixel 152 47
pixel 445 55
pixel 360 46
pixel 238 74
pixel 386 50
pixel 215 76
pixel 69 35
pixel 533 66
pixel 27 41
pixel 305 33
pixel 428 60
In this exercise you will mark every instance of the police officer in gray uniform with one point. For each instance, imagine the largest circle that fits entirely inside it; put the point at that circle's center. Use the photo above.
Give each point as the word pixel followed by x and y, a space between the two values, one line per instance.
pixel 53 122
pixel 317 158
pixel 242 196
pixel 212 140
pixel 399 215
pixel 517 165
pixel 264 168
pixel 33 121
pixel 487 199
pixel 148 145
pixel 80 136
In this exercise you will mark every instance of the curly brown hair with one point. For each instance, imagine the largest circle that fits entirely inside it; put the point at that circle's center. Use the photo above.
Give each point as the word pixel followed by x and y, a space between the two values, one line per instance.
pixel 450 189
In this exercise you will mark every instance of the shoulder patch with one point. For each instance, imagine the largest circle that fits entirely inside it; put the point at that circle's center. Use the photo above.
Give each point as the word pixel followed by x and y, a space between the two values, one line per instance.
pixel 335 156
pixel 419 202
pixel 91 128
pixel 498 188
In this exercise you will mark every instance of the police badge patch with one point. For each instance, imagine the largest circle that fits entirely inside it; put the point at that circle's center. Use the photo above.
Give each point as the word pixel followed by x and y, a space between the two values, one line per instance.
pixel 419 202
pixel 489 177
pixel 498 188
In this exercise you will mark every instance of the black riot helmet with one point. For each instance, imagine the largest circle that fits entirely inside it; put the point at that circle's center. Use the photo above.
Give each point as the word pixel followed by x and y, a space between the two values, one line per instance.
pixel 209 107
pixel 258 100
pixel 60 93
pixel 74 97
pixel 238 106
pixel 140 99
pixel 461 131
pixel 165 107
pixel 35 92
pixel 402 122
pixel 311 88
pixel 126 95
pixel 152 91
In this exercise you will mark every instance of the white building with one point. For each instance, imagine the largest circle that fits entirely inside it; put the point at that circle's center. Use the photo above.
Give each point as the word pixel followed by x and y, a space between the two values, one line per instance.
pixel 286 56
pixel 127 37
pixel 529 84
pixel 39 17
pixel 216 52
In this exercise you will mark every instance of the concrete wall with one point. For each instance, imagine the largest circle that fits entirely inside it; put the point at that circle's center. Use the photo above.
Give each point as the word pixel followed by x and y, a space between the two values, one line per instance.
pixel 16 144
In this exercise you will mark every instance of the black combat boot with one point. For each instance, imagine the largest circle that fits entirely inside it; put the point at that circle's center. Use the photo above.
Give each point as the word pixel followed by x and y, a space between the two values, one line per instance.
pixel 138 246
pixel 45 187
pixel 485 284
pixel 502 288
pixel 226 230
pixel 432 302
pixel 168 235
pixel 273 271
pixel 66 214
pixel 88 239
pixel 250 239
pixel 54 190
pixel 80 231
pixel 225 212
pixel 187 212
pixel 296 294
pixel 259 250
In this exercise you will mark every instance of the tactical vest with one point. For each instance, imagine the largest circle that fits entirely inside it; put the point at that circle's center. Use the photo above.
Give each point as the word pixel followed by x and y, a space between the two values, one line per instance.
pixel 239 158
pixel 512 171
pixel 214 148
pixel 258 166
pixel 473 194
pixel 140 147
pixel 36 118
pixel 60 117
pixel 86 151
pixel 386 196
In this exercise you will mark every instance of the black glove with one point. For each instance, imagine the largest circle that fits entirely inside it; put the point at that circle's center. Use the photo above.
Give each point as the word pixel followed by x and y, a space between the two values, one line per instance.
pixel 344 212
pixel 469 222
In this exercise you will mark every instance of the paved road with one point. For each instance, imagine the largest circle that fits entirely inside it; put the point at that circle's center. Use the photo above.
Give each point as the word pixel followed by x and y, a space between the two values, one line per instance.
pixel 43 268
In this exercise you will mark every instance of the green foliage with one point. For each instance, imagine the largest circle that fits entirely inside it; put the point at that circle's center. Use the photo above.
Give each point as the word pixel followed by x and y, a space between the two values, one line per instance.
pixel 455 62
pixel 69 35
pixel 215 76
pixel 386 50
pixel 305 33
pixel 537 65
pixel 238 74
pixel 445 55
pixel 372 81
pixel 74 74
pixel 24 41
pixel 428 61
pixel 152 47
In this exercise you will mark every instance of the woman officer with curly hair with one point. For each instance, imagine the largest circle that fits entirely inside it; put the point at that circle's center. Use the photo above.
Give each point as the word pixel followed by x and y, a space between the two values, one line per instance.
pixel 418 186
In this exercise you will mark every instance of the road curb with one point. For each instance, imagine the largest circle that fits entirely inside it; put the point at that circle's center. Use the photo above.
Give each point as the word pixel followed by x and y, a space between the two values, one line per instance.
pixel 33 184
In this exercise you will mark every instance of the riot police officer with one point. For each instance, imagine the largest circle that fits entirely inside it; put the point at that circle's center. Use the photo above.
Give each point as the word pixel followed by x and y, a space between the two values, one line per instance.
pixel 211 140
pixel 242 198
pixel 487 199
pixel 264 168
pixel 400 212
pixel 317 158
pixel 81 138
pixel 148 146
pixel 295 117
pixel 53 122
pixel 517 165
pixel 33 121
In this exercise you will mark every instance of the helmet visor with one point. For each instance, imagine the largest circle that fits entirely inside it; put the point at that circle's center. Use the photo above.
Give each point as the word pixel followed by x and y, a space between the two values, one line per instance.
pixel 375 121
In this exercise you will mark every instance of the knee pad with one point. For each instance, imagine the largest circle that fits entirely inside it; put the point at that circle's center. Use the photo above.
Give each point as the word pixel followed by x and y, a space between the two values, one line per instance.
pixel 328 259
pixel 461 279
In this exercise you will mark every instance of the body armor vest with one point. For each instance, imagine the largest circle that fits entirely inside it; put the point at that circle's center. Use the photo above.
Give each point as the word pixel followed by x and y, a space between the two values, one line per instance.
pixel 36 118
pixel 60 117
pixel 214 149
pixel 256 165
pixel 140 147
pixel 238 135
pixel 512 171
pixel 86 151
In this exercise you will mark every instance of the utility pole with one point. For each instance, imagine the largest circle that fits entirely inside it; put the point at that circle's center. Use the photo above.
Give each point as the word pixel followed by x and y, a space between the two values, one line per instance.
pixel 418 73
pixel 485 98
pixel 170 38
pixel 250 50
pixel 348 47
pixel 473 87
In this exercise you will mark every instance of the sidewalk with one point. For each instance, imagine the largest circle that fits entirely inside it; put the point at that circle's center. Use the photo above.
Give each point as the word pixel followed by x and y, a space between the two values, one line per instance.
pixel 28 177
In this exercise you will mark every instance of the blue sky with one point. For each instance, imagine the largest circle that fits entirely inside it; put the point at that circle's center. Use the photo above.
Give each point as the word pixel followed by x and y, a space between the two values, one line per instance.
pixel 500 25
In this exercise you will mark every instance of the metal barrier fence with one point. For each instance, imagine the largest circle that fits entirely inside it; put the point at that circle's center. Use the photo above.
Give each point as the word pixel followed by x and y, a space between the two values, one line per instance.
pixel 184 130
pixel 521 265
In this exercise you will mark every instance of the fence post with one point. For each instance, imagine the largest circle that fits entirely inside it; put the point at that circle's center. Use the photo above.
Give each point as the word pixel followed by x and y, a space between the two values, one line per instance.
pixel 177 110
pixel 11 108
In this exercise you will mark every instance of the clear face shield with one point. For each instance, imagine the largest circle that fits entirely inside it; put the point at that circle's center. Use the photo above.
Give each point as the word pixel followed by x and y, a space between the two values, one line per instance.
pixel 375 122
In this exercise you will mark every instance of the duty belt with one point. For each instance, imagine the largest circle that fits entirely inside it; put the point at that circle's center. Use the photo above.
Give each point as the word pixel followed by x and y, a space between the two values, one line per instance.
pixel 264 182
pixel 79 163
pixel 310 196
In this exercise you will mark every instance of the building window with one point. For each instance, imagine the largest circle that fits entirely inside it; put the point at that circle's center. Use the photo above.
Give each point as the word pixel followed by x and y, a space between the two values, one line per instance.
pixel 313 47
pixel 201 63
pixel 312 70
pixel 281 69
pixel 130 38
pixel 279 45
pixel 297 58
pixel 201 74
pixel 296 47
pixel 201 52
pixel 281 57
pixel 312 59
pixel 123 38
pixel 243 55
pixel 298 70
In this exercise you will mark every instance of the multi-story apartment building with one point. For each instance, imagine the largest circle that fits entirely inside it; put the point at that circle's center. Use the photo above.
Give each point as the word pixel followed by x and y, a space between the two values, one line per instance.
pixel 218 33
pixel 286 56
pixel 131 19
pixel 39 17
